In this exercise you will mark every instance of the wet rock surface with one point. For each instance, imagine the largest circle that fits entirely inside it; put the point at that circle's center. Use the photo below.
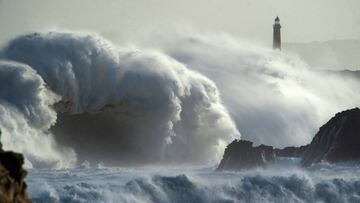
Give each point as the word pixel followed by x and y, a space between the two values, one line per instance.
pixel 12 175
pixel 337 141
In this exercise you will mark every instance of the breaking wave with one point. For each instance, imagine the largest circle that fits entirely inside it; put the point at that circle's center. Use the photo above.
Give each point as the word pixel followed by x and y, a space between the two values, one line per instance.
pixel 196 185
pixel 67 97
pixel 274 97
pixel 73 96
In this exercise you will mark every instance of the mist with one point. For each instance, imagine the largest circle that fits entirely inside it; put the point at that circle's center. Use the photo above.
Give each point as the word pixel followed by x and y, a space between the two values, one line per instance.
pixel 123 106
pixel 274 97
pixel 171 99
pixel 245 19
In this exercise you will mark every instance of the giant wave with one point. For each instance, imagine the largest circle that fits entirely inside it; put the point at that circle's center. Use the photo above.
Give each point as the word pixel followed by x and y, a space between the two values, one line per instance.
pixel 67 97
pixel 73 96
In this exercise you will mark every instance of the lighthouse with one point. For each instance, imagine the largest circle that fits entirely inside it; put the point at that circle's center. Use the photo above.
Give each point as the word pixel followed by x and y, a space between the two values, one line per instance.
pixel 277 34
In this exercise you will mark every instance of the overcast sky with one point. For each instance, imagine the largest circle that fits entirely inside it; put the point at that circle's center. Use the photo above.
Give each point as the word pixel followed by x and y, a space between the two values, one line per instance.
pixel 302 20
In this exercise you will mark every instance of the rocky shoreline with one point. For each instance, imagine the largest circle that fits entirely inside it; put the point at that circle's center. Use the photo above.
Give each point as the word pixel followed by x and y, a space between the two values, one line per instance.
pixel 337 141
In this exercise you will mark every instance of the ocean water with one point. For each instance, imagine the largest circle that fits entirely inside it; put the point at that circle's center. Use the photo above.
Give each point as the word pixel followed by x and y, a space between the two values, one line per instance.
pixel 282 181
pixel 181 100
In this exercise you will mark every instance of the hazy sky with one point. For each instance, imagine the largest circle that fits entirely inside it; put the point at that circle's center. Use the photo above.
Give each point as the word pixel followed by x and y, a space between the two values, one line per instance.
pixel 302 20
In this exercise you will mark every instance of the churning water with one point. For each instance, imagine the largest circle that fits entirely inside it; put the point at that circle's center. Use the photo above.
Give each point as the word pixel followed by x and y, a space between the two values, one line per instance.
pixel 281 182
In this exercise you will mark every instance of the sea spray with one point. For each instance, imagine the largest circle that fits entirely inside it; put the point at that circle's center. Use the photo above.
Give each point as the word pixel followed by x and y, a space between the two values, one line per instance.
pixel 119 106
pixel 159 103
pixel 281 182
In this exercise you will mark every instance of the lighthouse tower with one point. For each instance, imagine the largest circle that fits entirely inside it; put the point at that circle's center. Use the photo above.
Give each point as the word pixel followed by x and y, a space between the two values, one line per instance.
pixel 277 34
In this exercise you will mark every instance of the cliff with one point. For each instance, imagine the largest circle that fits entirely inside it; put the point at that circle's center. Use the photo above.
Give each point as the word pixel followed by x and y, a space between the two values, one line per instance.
pixel 337 140
pixel 12 185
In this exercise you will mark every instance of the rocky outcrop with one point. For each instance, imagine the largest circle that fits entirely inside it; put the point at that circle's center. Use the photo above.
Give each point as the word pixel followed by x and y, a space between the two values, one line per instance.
pixel 337 140
pixel 12 185
pixel 296 152
pixel 241 154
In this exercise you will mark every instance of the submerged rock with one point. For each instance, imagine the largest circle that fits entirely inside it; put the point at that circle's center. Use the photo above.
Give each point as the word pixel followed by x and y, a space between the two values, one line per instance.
pixel 12 175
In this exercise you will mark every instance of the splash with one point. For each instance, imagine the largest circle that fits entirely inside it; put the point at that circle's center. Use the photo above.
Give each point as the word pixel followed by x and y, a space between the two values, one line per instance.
pixel 118 106
pixel 274 97
pixel 25 115
pixel 285 182
pixel 81 97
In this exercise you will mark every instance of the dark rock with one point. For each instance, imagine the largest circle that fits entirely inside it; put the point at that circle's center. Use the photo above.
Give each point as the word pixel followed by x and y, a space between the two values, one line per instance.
pixel 241 154
pixel 296 152
pixel 337 140
pixel 12 175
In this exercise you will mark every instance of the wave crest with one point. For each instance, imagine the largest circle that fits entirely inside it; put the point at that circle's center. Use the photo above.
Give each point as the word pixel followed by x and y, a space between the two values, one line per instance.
pixel 123 105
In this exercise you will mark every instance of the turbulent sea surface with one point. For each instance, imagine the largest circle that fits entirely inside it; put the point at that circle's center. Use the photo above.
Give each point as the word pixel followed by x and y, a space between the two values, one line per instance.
pixel 174 100
pixel 283 181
